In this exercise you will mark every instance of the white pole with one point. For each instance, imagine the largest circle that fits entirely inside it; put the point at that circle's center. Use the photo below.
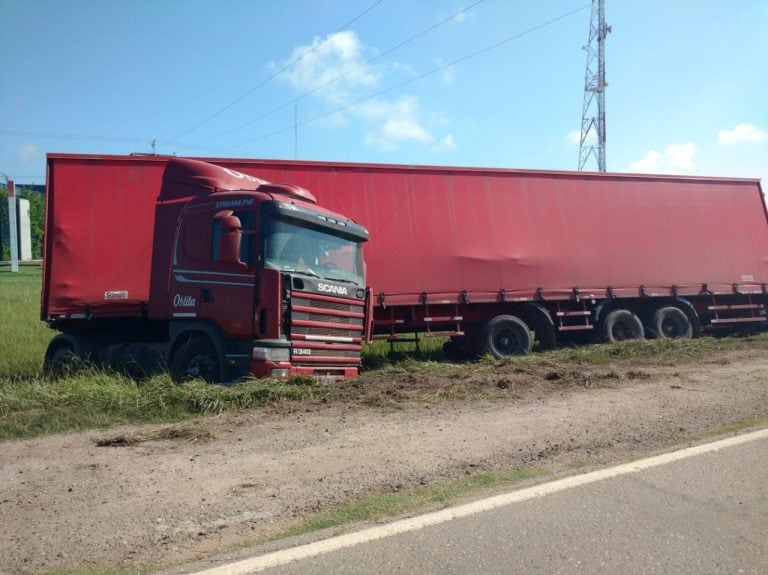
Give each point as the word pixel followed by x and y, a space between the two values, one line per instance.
pixel 13 227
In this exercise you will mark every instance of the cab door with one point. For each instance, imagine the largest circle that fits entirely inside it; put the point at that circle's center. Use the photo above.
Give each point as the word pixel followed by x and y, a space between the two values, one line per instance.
pixel 190 259
pixel 227 286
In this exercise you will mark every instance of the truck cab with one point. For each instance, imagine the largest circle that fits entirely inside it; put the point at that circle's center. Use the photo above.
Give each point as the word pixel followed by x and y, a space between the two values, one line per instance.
pixel 255 278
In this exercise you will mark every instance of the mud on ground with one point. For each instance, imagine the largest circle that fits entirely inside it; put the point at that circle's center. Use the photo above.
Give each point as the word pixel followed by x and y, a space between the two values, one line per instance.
pixel 173 493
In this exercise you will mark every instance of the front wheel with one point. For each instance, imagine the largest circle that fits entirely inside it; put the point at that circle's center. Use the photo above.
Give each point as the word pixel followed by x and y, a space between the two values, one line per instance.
pixel 196 359
pixel 504 336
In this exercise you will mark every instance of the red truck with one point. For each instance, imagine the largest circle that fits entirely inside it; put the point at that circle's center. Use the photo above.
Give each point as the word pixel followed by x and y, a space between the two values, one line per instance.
pixel 499 259
pixel 496 260
pixel 152 262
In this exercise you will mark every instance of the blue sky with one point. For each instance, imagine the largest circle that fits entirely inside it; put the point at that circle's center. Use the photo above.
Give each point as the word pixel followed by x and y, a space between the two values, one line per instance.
pixel 393 81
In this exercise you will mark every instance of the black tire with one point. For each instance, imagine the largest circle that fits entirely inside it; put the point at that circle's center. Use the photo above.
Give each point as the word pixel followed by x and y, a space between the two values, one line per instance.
pixel 671 323
pixel 621 325
pixel 505 336
pixel 196 358
pixel 63 362
pixel 545 334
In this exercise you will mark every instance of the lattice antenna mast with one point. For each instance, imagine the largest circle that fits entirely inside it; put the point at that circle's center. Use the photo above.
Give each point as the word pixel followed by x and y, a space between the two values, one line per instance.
pixel 593 121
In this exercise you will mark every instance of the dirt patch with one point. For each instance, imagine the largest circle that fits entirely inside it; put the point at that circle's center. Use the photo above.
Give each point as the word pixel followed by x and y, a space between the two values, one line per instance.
pixel 186 433
pixel 165 494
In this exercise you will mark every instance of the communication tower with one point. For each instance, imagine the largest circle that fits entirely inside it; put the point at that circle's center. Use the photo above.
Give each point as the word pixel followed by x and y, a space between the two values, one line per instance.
pixel 593 120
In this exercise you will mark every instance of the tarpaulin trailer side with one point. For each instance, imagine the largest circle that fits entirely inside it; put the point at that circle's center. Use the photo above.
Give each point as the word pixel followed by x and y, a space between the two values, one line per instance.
pixel 476 240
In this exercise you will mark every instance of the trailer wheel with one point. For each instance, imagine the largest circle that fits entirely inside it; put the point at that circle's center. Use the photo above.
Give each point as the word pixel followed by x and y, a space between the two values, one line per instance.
pixel 506 335
pixel 622 325
pixel 196 359
pixel 63 362
pixel 671 323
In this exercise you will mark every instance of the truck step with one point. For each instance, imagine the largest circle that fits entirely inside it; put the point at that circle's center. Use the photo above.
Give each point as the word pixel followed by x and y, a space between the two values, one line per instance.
pixel 396 338
pixel 442 333
pixel 735 307
pixel 731 320
pixel 575 327
pixel 573 313
pixel 390 321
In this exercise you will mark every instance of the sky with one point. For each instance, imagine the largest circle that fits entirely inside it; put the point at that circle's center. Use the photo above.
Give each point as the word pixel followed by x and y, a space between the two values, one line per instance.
pixel 496 83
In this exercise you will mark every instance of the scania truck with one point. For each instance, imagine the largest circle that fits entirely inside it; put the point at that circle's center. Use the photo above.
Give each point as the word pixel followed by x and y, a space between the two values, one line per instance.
pixel 170 263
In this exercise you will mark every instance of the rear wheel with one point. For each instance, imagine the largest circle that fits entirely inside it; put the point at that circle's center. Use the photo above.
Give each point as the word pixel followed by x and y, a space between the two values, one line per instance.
pixel 622 325
pixel 671 323
pixel 504 336
pixel 196 359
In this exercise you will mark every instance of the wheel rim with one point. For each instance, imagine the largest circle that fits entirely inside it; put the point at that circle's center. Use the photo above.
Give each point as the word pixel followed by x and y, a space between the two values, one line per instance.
pixel 674 324
pixel 506 342
pixel 671 328
pixel 622 331
pixel 202 366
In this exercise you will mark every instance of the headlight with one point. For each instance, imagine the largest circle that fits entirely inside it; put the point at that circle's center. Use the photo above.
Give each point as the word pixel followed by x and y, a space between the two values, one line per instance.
pixel 272 353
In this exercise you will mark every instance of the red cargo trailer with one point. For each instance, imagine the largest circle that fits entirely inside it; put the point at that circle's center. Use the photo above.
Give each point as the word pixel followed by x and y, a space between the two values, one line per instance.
pixel 487 256
pixel 149 259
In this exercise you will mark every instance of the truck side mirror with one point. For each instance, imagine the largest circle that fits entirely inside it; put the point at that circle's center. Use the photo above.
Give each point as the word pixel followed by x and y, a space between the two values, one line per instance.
pixel 229 236
pixel 229 223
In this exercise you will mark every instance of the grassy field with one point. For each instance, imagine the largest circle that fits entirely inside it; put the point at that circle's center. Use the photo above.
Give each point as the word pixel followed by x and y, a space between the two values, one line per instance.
pixel 23 337
pixel 32 404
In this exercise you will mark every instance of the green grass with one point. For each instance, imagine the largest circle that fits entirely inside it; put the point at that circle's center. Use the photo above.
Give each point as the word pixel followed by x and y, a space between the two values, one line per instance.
pixel 98 399
pixel 381 354
pixel 23 337
pixel 407 501
pixel 655 351
pixel 729 429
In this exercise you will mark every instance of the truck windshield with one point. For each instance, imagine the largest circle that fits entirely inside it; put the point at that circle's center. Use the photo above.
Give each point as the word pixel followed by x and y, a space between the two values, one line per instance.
pixel 292 246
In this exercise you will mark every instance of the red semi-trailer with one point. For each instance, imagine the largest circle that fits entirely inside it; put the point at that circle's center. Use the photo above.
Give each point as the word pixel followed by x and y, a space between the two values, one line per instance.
pixel 497 258
pixel 152 261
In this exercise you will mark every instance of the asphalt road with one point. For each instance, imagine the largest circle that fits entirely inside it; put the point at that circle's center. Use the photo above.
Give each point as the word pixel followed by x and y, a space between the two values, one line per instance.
pixel 701 512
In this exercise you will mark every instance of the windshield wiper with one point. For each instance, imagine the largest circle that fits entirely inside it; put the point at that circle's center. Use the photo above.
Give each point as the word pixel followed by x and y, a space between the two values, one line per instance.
pixel 343 280
pixel 307 272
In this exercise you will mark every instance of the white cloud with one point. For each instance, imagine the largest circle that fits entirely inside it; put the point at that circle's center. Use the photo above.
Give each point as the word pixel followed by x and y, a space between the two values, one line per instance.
pixel 339 55
pixel 387 123
pixel 405 129
pixel 742 133
pixel 28 153
pixel 649 163
pixel 675 159
pixel 399 122
pixel 446 143
pixel 461 17
pixel 680 156
pixel 573 137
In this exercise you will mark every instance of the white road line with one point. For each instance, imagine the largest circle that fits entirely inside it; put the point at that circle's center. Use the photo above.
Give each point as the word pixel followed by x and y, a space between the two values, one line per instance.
pixel 256 564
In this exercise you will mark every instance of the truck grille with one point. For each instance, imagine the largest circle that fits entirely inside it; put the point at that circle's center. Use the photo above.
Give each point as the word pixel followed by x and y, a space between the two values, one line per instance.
pixel 325 330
